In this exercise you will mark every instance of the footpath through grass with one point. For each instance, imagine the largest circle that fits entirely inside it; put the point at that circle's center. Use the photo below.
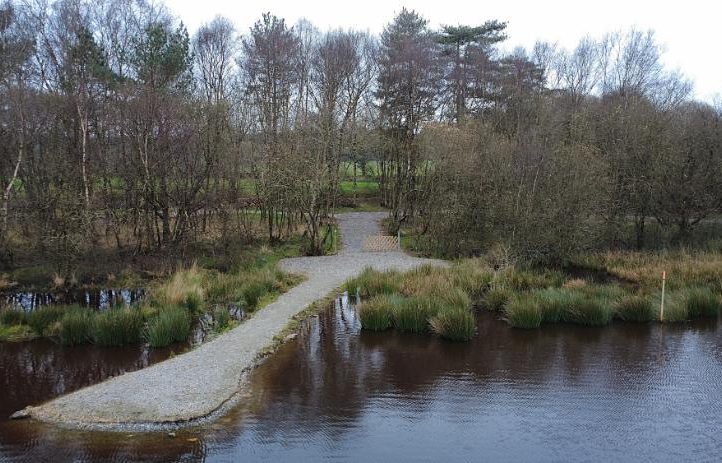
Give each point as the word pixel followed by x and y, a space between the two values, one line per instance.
pixel 614 286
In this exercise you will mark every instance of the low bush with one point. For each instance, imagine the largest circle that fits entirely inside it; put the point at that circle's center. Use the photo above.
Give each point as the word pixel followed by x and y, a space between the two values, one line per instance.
pixel 172 324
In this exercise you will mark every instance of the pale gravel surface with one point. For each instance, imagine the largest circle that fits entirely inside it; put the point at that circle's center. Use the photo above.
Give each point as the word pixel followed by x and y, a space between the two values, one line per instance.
pixel 198 383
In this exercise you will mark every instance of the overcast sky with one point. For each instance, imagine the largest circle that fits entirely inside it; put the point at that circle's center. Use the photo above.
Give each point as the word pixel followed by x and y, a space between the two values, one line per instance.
pixel 690 30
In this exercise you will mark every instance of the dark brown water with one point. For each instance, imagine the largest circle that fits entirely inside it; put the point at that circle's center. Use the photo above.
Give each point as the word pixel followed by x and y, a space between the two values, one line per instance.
pixel 35 371
pixel 101 298
pixel 627 392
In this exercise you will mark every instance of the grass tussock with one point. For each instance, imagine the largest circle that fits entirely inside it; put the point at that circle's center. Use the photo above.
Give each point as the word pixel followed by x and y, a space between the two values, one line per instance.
pixel 185 287
pixel 171 325
pixel 118 327
pixel 377 312
pixel 496 298
pixel 636 308
pixel 13 333
pixel 523 311
pixel 10 316
pixel 675 309
pixel 43 318
pixel 426 299
pixel 701 302
pixel 76 327
pixel 454 324
pixel 373 282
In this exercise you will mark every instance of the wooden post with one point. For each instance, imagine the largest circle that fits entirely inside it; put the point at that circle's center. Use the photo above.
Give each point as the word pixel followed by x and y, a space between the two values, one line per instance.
pixel 661 307
pixel 399 238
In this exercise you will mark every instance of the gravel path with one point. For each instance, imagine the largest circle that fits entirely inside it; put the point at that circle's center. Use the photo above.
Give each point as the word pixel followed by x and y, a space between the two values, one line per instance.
pixel 198 383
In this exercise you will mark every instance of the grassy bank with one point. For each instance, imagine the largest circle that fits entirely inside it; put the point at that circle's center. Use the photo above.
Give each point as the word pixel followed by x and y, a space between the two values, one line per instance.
pixel 595 291
pixel 168 313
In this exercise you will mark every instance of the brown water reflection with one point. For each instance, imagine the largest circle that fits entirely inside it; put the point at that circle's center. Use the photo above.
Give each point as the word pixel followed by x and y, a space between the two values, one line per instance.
pixel 624 393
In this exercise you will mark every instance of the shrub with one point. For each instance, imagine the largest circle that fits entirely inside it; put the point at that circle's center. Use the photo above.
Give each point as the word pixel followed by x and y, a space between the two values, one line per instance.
pixel 172 324
pixel 635 308
pixel 523 311
pixel 118 327
pixel 454 324
pixel 376 313
pixel 42 318
pixel 76 327
pixel 497 298
pixel 701 302
pixel 12 316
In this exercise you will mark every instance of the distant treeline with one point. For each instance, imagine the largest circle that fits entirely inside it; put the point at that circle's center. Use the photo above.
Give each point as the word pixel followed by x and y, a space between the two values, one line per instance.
pixel 118 129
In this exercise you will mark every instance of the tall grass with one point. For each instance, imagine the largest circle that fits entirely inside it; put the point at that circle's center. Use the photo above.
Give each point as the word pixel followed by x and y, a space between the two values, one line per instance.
pixel 588 310
pixel 523 311
pixel 76 327
pixel 42 318
pixel 221 318
pixel 701 302
pixel 553 303
pixel 496 298
pixel 473 276
pixel 184 287
pixel 118 327
pixel 635 308
pixel 372 282
pixel 12 316
pixel 413 314
pixel 454 324
pixel 675 309
pixel 172 324
pixel 376 313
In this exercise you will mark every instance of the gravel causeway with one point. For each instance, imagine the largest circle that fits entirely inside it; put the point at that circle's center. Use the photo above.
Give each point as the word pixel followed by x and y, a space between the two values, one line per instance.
pixel 198 383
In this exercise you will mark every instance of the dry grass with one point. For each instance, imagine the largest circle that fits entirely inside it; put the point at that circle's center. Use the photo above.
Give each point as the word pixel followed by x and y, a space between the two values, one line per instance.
pixel 185 284
pixel 684 268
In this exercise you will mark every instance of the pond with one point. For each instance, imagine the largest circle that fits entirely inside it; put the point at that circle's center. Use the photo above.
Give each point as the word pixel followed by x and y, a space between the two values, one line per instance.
pixel 101 298
pixel 627 392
